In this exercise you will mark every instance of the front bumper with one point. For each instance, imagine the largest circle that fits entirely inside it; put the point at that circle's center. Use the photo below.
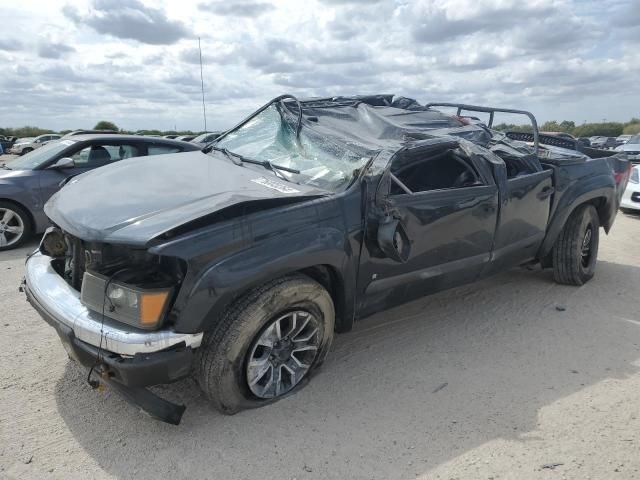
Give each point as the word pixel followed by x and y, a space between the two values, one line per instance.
pixel 125 358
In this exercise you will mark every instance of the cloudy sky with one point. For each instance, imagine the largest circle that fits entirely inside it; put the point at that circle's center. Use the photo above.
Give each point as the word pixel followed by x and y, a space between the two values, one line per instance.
pixel 68 64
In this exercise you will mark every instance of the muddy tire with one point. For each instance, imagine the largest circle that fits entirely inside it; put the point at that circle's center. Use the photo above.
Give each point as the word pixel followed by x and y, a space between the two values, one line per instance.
pixel 267 344
pixel 575 252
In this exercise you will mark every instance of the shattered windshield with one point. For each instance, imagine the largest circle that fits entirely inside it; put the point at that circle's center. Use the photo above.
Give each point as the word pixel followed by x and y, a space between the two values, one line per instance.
pixel 270 137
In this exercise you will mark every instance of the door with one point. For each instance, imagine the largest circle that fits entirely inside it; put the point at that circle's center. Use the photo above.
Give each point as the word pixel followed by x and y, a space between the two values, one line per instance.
pixel 445 210
pixel 524 213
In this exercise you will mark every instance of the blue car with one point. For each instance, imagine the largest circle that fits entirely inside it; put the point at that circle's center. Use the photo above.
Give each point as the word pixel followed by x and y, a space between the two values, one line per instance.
pixel 29 181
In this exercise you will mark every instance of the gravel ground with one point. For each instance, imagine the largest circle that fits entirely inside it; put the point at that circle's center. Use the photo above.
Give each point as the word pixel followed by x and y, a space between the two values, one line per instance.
pixel 510 378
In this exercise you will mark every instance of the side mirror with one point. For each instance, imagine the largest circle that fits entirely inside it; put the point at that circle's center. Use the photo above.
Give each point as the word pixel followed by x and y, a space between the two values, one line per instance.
pixel 63 163
pixel 393 240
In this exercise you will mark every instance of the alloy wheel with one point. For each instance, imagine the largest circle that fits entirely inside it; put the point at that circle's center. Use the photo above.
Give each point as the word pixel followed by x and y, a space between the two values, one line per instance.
pixel 283 354
pixel 11 227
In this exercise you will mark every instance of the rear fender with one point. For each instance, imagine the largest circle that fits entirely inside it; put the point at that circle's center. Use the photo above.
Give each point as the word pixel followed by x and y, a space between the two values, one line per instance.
pixel 600 191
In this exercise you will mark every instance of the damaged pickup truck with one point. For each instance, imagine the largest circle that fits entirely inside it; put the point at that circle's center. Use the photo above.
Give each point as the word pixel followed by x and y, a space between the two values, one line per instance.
pixel 238 263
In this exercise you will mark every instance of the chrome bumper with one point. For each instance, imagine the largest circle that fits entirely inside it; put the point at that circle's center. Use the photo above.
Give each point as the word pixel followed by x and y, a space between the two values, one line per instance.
pixel 57 298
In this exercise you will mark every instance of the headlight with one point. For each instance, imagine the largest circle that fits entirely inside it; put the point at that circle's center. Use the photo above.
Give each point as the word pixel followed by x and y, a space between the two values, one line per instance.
pixel 131 304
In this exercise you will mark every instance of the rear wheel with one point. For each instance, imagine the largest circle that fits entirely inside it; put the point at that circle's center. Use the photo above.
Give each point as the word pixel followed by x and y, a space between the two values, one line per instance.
pixel 26 150
pixel 267 344
pixel 576 250
pixel 15 226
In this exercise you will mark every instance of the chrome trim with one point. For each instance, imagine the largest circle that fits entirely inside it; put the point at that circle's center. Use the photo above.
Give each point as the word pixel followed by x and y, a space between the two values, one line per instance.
pixel 62 302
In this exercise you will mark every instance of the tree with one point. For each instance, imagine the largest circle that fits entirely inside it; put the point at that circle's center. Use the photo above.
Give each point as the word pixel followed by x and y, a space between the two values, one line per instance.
pixel 104 125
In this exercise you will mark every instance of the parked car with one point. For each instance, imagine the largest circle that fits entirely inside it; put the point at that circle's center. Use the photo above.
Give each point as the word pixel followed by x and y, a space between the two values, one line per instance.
pixel 89 132
pixel 170 136
pixel 26 145
pixel 185 138
pixel 604 143
pixel 28 182
pixel 291 225
pixel 205 138
pixel 631 198
pixel 631 148
pixel 622 139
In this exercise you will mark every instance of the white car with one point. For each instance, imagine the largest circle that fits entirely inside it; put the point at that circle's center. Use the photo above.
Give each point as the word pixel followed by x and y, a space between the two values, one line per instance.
pixel 631 197
pixel 622 139
pixel 26 145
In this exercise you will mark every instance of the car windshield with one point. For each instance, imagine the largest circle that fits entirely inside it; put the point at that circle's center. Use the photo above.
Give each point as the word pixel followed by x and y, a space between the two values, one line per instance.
pixel 634 139
pixel 37 157
pixel 269 137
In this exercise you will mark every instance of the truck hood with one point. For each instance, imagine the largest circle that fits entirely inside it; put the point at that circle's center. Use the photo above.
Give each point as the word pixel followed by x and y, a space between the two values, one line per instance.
pixel 138 199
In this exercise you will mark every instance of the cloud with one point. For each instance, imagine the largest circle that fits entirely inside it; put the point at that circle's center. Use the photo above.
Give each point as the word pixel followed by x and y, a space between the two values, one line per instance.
pixel 133 65
pixel 129 19
pixel 436 22
pixel 10 44
pixel 49 49
pixel 237 8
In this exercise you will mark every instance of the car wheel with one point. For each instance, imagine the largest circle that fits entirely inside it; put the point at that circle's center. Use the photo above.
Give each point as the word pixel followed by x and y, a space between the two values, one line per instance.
pixel 267 344
pixel 26 150
pixel 575 252
pixel 15 226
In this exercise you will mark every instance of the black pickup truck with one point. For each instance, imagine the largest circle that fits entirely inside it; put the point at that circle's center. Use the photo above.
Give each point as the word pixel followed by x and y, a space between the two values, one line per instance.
pixel 238 263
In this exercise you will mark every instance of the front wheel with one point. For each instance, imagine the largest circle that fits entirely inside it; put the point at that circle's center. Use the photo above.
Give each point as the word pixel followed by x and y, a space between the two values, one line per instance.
pixel 26 150
pixel 576 250
pixel 267 344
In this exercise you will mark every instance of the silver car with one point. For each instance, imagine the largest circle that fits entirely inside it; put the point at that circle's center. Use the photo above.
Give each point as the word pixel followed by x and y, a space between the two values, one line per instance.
pixel 631 148
pixel 29 144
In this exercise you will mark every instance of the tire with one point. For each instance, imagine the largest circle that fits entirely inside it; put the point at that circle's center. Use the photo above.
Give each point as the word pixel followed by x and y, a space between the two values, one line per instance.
pixel 26 150
pixel 575 252
pixel 223 366
pixel 15 226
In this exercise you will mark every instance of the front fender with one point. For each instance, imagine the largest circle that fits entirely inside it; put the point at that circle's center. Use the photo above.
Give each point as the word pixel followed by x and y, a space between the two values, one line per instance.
pixel 225 280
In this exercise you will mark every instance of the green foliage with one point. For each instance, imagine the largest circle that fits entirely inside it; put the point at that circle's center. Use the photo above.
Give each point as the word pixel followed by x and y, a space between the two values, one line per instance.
pixel 605 129
pixel 512 127
pixel 633 127
pixel 24 131
pixel 104 125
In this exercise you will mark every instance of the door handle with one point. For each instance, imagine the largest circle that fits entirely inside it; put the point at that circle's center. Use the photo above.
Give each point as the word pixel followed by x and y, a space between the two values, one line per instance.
pixel 545 193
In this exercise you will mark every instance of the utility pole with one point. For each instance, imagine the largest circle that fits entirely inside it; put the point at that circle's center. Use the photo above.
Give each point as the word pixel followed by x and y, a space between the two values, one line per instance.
pixel 204 108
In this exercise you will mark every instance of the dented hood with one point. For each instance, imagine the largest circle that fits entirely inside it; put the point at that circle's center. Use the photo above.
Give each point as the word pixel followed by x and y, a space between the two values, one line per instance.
pixel 135 200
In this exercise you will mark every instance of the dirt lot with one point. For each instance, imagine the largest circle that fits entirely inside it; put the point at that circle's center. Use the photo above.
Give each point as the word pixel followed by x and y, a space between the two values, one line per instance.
pixel 492 380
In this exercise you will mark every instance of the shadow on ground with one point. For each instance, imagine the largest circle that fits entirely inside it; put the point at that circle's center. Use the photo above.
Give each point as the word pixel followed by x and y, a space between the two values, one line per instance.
pixel 404 392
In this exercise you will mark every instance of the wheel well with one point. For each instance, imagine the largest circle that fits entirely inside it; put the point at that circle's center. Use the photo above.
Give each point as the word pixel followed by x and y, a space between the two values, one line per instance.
pixel 328 277
pixel 32 220
pixel 600 203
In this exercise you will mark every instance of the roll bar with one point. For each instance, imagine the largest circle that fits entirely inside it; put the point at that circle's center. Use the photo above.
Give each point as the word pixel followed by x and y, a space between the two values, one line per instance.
pixel 491 111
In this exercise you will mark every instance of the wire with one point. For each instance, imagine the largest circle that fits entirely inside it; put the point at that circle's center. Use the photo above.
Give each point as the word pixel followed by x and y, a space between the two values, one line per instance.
pixel 95 383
